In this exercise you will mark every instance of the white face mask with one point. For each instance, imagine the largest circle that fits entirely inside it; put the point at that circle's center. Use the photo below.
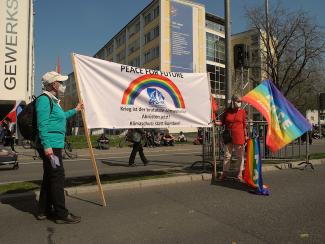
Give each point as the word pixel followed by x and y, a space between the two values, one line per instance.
pixel 61 89
pixel 238 104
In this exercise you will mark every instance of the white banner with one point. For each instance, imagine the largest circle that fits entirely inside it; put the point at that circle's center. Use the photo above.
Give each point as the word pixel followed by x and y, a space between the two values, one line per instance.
pixel 121 96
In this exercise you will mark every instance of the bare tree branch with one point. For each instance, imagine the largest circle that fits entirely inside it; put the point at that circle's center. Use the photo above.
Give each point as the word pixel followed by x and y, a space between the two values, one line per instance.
pixel 294 52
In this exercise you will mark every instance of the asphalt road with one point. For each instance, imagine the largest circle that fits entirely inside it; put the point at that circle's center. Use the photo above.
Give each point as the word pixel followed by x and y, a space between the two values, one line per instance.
pixel 110 161
pixel 196 212
pixel 115 160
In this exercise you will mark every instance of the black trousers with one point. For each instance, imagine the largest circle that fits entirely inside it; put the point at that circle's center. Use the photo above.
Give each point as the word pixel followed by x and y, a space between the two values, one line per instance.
pixel 137 147
pixel 52 188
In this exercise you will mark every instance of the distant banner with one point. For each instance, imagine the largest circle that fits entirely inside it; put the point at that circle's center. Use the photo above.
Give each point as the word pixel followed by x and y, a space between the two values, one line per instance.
pixel 181 37
pixel 121 96
pixel 285 122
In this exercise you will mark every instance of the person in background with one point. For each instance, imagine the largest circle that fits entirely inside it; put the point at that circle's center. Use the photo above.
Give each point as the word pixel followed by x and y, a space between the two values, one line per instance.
pixel 199 138
pixel 137 135
pixel 9 134
pixel 149 138
pixel 168 139
pixel 234 119
pixel 2 133
pixel 103 141
pixel 51 125
pixel 181 137
pixel 157 139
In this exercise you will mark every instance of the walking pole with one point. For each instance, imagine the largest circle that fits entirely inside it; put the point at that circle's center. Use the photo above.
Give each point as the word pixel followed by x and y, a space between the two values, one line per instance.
pixel 91 151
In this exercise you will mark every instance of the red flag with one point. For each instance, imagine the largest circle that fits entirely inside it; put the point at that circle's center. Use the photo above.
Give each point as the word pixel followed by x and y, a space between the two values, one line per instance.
pixel 12 115
pixel 58 66
pixel 214 106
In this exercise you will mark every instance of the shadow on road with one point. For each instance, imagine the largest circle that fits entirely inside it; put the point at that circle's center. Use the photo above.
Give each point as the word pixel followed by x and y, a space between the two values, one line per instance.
pixel 26 203
pixel 233 184
pixel 80 199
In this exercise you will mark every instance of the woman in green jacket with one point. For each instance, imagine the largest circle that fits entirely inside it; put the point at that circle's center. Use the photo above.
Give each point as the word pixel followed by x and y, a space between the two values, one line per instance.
pixel 51 125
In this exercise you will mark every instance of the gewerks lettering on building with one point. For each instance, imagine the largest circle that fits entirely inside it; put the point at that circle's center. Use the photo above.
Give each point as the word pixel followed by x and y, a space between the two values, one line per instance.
pixel 16 58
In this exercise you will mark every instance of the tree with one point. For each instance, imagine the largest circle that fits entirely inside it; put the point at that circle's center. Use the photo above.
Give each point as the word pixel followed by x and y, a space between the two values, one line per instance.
pixel 292 50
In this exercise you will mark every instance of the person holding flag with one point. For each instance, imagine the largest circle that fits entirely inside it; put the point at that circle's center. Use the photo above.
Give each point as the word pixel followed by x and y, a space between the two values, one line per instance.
pixel 234 136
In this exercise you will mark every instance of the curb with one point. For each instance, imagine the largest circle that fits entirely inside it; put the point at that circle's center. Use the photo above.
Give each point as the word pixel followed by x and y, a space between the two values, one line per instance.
pixel 157 182
pixel 141 183
pixel 119 186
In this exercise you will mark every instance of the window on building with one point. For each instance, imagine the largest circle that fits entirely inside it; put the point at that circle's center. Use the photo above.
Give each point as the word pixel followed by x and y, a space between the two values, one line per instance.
pixel 151 54
pixel 152 34
pixel 120 40
pixel 147 19
pixel 110 49
pixel 135 62
pixel 156 52
pixel 134 46
pixel 255 40
pixel 120 56
pixel 214 26
pixel 156 12
pixel 217 79
pixel 135 28
pixel 147 56
pixel 256 74
pixel 147 37
pixel 215 48
pixel 255 58
pixel 156 32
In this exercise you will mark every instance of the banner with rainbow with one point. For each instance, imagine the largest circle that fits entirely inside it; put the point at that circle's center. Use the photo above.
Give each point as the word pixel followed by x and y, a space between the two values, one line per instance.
pixel 122 96
pixel 285 122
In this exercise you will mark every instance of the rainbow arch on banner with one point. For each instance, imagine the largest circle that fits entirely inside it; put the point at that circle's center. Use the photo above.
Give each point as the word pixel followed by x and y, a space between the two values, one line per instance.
pixel 146 81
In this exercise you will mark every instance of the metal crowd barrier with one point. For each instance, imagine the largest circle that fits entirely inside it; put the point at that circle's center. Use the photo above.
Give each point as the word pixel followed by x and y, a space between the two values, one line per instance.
pixel 295 149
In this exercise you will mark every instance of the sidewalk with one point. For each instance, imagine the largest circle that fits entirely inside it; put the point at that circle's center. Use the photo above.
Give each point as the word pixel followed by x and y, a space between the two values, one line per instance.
pixel 196 212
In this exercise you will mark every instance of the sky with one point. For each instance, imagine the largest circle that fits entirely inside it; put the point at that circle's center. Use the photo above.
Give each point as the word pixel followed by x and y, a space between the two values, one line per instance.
pixel 84 26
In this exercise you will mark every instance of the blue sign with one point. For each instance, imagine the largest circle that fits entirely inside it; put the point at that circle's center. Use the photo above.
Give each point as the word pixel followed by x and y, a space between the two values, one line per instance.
pixel 181 31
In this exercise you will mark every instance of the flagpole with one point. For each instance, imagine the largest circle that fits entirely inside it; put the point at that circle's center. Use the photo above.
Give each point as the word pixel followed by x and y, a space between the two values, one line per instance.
pixel 91 151
pixel 214 173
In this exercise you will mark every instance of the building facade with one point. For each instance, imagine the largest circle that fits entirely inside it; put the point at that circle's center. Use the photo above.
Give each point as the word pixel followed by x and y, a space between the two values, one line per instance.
pixel 247 65
pixel 168 35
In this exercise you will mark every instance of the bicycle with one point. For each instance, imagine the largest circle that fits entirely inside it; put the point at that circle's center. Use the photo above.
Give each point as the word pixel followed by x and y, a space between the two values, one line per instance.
pixel 27 144
pixel 124 138
pixel 68 149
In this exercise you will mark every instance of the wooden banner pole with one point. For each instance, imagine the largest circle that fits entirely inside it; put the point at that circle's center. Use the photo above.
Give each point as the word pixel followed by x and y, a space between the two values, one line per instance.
pixel 91 151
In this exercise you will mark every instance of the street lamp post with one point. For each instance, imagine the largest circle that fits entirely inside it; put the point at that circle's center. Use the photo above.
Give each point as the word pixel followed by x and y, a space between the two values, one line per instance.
pixel 267 37
pixel 228 45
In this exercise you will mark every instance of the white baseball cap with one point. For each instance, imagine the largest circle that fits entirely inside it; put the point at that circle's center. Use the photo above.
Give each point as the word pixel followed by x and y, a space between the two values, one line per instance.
pixel 52 76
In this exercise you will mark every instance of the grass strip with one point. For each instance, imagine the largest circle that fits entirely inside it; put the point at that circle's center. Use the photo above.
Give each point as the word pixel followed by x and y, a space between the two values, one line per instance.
pixel 21 187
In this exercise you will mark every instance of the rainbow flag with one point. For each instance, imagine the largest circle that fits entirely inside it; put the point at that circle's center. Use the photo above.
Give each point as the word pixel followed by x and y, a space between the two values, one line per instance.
pixel 285 122
pixel 253 167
